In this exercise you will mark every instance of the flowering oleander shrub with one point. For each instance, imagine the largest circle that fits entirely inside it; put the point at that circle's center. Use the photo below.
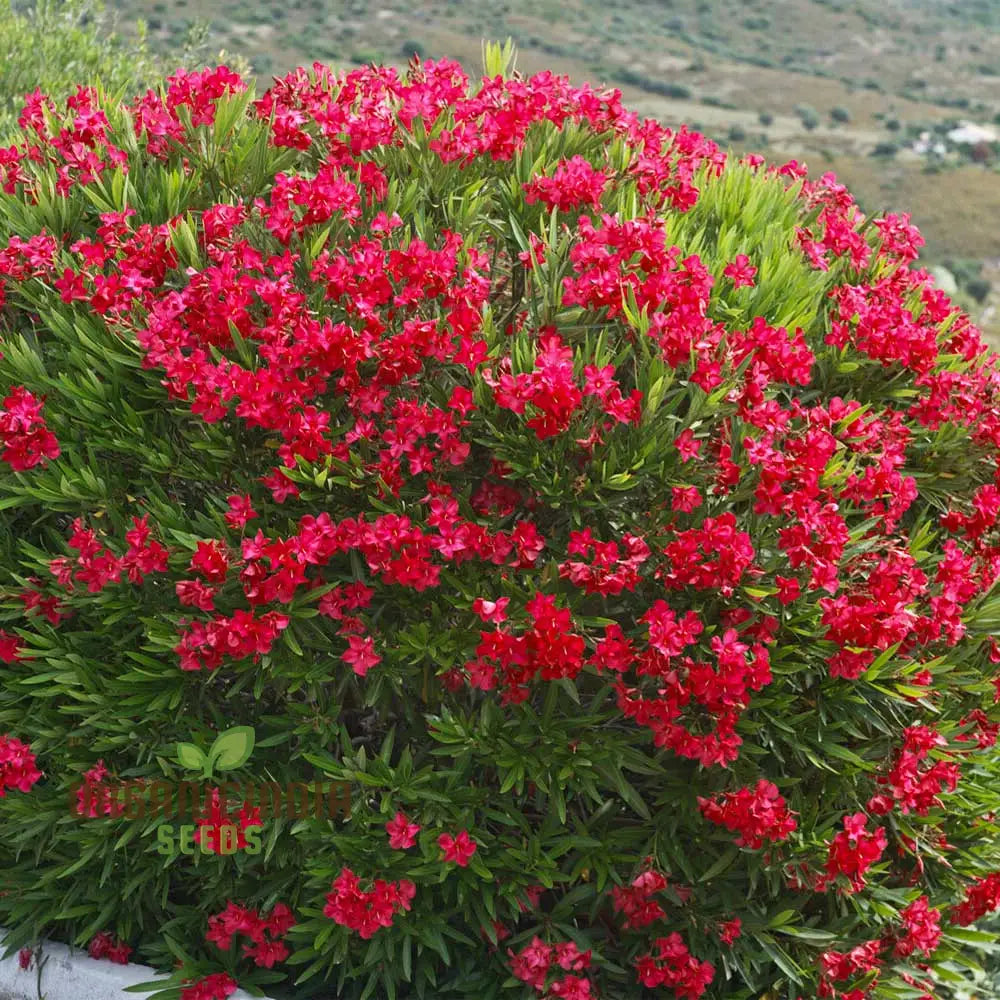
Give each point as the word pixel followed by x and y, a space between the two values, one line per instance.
pixel 617 520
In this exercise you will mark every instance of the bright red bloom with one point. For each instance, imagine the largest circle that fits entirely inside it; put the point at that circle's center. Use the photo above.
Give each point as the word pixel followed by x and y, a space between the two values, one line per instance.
pixel 921 929
pixel 571 988
pixel 240 511
pixel 672 965
pixel 574 184
pixel 457 849
pixel 217 986
pixel 17 766
pixel 569 957
pixel 635 901
pixel 982 897
pixel 531 965
pixel 730 930
pixel 838 966
pixel 491 611
pixel 263 932
pixel 211 561
pixel 741 271
pixel 758 815
pixel 366 911
pixel 25 439
pixel 361 654
pixel 853 851
pixel 402 833
pixel 217 829
pixel 105 945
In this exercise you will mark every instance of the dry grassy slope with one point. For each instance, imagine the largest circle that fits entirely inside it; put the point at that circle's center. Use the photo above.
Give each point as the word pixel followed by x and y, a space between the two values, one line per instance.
pixel 895 42
pixel 909 60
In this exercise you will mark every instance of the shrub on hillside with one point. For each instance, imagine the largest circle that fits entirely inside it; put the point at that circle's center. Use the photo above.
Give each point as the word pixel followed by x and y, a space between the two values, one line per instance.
pixel 636 78
pixel 56 46
pixel 618 522
pixel 808 115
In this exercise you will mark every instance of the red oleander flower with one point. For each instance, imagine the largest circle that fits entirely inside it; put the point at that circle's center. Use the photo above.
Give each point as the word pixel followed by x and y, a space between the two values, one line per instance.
pixel 457 849
pixel 853 851
pixel 263 932
pixel 741 271
pixel 217 986
pixel 105 945
pixel 402 833
pixel 367 911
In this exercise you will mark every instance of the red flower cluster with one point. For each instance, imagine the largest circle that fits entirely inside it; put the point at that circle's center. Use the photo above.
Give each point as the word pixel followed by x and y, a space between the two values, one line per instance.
pixel 264 932
pixel 96 797
pixel 216 823
pixel 551 391
pixel 366 911
pixel 921 929
pixel 549 649
pixel 712 694
pixel 920 933
pixel 852 852
pixel 97 566
pixel 17 766
pixel 917 782
pixel 10 647
pixel 671 964
pixel 741 272
pixel 535 961
pixel 759 814
pixel 158 120
pixel 80 152
pixel 206 644
pixel 25 439
pixel 217 986
pixel 712 557
pixel 608 572
pixel 574 184
pixel 982 897
pixel 730 930
pixel 105 945
pixel 836 966
pixel 635 901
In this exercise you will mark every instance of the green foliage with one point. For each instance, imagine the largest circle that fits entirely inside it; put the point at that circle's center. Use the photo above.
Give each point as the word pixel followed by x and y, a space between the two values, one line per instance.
pixel 57 45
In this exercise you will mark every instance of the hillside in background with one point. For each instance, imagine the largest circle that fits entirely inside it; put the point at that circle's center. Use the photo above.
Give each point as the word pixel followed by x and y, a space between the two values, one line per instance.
pixel 899 97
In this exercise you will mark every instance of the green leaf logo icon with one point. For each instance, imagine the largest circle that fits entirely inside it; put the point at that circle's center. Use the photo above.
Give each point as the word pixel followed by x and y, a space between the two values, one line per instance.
pixel 232 748
pixel 190 757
